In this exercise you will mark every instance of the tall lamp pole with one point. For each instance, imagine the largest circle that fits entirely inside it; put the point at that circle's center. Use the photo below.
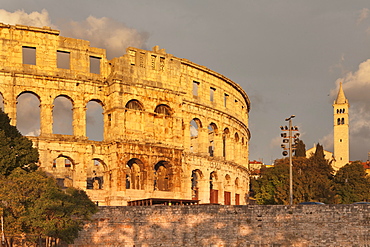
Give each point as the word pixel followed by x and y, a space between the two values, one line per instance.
pixel 291 147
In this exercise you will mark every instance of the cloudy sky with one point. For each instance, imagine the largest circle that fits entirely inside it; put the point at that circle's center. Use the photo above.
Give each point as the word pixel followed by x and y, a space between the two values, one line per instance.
pixel 288 55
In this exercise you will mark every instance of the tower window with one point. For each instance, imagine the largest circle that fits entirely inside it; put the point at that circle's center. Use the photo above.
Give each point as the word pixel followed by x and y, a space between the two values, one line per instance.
pixel 342 122
pixel 338 121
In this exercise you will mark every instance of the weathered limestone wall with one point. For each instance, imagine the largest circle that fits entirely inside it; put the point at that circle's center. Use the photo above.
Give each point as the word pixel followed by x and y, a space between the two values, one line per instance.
pixel 149 100
pixel 214 225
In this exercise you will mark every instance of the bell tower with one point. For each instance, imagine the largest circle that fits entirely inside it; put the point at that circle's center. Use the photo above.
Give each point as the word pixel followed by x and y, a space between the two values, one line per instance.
pixel 341 130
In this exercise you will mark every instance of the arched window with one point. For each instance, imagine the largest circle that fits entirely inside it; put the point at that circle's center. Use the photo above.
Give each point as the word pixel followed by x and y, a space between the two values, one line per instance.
pixel 227 180
pixel 338 121
pixel 134 105
pixel 237 183
pixel 342 121
pixel 343 110
pixel 236 137
pixel 212 128
pixel 224 142
pixel 94 120
pixel 28 114
pixel 195 176
pixel 95 175
pixel 1 102
pixel 213 190
pixel 161 176
pixel 62 115
pixel 163 109
pixel 195 125
pixel 133 174
pixel 63 170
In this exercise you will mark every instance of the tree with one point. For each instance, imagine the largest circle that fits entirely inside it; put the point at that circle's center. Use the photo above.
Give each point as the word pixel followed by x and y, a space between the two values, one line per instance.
pixel 312 181
pixel 15 149
pixel 300 149
pixel 33 204
pixel 352 183
pixel 272 185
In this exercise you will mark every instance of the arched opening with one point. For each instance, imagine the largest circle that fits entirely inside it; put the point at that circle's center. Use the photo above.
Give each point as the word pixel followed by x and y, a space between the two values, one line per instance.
pixel 213 189
pixel 195 126
pixel 236 137
pixel 162 176
pixel 28 114
pixel 63 171
pixel 237 195
pixel 62 115
pixel 163 109
pixel 212 128
pixel 1 102
pixel 134 105
pixel 227 193
pixel 338 121
pixel 342 121
pixel 195 176
pixel 134 176
pixel 95 175
pixel 94 121
pixel 224 142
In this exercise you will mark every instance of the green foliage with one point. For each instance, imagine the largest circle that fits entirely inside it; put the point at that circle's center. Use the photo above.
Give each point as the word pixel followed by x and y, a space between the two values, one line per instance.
pixel 300 150
pixel 312 181
pixel 352 183
pixel 15 149
pixel 34 204
pixel 273 185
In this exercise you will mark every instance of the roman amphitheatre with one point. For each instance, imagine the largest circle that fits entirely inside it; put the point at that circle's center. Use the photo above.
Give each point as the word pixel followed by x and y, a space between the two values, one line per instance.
pixel 172 129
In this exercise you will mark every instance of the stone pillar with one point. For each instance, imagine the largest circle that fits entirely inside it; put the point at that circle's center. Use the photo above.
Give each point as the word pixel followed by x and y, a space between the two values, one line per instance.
pixel 186 131
pixel 46 119
pixel 218 145
pixel 79 120
pixel 204 189
pixel 10 107
pixel 203 141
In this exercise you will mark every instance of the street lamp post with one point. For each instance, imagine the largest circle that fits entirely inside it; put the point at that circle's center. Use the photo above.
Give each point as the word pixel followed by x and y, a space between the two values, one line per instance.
pixel 291 148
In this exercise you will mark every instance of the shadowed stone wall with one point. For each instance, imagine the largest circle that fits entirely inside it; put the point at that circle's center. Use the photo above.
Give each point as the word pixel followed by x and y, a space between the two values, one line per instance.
pixel 217 225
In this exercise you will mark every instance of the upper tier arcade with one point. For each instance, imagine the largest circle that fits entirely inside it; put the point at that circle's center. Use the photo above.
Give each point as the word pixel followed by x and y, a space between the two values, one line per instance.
pixel 170 128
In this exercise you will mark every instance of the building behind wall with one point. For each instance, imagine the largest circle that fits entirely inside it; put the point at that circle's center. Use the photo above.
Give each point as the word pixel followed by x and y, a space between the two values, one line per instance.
pixel 172 128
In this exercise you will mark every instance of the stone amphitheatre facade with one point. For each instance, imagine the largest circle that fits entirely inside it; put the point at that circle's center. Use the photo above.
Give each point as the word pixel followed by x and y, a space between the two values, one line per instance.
pixel 172 129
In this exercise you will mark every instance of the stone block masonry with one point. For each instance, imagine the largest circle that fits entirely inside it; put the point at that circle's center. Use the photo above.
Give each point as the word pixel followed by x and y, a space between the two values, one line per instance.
pixel 219 225
pixel 169 128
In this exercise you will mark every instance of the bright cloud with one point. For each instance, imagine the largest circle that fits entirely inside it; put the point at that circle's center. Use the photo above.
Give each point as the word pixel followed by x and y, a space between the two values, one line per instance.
pixel 106 33
pixel 364 14
pixel 20 17
pixel 103 32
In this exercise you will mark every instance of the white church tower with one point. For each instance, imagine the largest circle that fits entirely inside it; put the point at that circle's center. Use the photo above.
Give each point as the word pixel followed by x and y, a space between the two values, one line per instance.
pixel 341 130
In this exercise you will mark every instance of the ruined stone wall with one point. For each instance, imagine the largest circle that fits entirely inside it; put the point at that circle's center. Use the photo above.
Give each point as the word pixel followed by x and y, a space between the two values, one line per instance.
pixel 172 128
pixel 215 225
